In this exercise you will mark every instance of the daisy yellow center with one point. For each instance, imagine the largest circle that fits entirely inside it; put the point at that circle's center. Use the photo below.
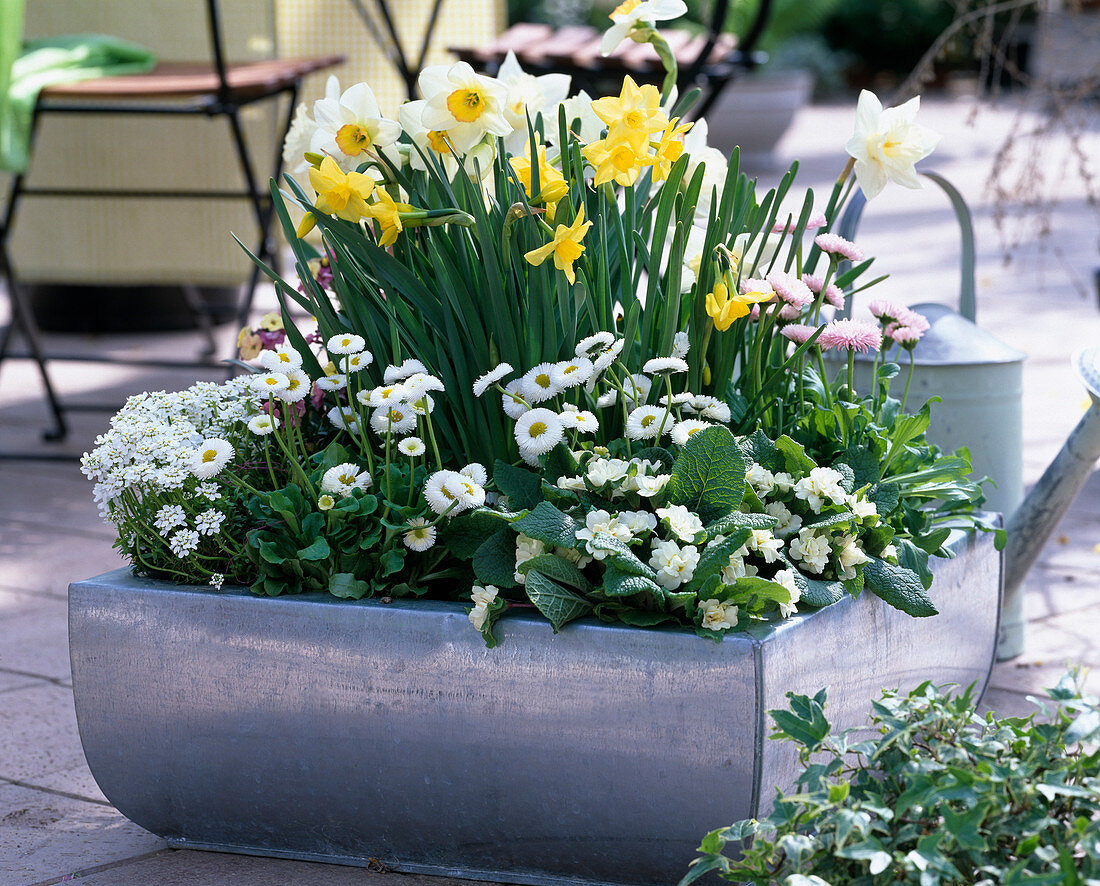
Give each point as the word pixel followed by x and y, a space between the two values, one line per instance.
pixel 569 369
pixel 347 479
pixel 209 455
pixel 466 104
pixel 468 488
pixel 420 533
pixel 542 380
pixel 272 381
pixel 294 384
pixel 345 342
pixel 537 429
pixel 648 420
pixel 396 415
pixel 284 358
pixel 624 7
pixel 437 139
pixel 352 139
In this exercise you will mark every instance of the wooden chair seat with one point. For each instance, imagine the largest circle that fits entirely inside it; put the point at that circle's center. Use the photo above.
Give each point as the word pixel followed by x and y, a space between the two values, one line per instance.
pixel 189 79
pixel 540 47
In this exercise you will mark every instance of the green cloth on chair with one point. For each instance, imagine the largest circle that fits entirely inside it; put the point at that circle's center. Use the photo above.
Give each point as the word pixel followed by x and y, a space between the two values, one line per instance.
pixel 42 63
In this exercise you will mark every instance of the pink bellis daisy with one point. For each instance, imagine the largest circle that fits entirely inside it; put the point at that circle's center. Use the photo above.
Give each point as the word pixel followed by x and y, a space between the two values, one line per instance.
pixel 834 244
pixel 851 335
pixel 799 333
pixel 833 293
pixel 789 288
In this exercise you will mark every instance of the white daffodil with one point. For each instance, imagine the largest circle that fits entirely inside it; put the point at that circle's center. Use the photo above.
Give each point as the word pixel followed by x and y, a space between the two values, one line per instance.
pixel 442 144
pixel 632 13
pixel 351 127
pixel 298 139
pixel 577 108
pixel 465 104
pixel 529 95
pixel 887 144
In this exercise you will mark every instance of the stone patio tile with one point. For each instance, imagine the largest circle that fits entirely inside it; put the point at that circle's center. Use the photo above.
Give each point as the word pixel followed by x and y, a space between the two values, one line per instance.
pixel 188 868
pixel 1006 703
pixel 38 734
pixel 35 557
pixel 34 635
pixel 1051 591
pixel 45 837
pixel 58 490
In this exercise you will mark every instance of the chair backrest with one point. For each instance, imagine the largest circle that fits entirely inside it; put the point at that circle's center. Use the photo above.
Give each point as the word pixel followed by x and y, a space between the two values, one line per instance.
pixel 746 42
pixel 217 49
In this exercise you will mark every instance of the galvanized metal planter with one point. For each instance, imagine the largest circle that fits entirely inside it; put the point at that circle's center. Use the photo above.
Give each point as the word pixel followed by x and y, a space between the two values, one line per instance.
pixel 312 728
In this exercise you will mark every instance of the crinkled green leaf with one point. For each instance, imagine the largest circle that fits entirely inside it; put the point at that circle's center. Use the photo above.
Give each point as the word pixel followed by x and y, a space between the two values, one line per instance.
pixel 495 559
pixel 708 477
pixel 620 554
pixel 900 587
pixel 547 524
pixel 519 484
pixel 557 568
pixel 559 604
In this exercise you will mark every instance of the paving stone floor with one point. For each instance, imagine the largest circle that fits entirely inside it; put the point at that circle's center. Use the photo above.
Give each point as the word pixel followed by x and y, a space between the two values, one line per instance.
pixel 55 825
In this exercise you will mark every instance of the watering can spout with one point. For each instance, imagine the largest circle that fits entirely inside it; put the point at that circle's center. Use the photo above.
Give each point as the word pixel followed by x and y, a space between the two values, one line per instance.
pixel 1031 524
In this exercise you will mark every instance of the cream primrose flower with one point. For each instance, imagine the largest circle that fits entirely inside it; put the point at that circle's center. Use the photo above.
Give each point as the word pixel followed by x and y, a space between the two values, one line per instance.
pixel 351 127
pixel 601 521
pixel 398 418
pixel 528 95
pixel 491 377
pixel 682 431
pixel 582 421
pixel 483 598
pixel 600 471
pixel 420 535
pixel 717 616
pixel 209 459
pixel 325 502
pixel 335 382
pixel 527 549
pixel 849 555
pixel 648 423
pixel 887 144
pixel 269 383
pixel 408 368
pixel 647 487
pixel 281 359
pixel 737 567
pixel 342 479
pixel 574 484
pixel 345 343
pixel 784 482
pixel 760 479
pixel 685 525
pixel 631 14
pixel 344 418
pixel 413 447
pixel 863 508
pixel 476 472
pixel 538 431
pixel 812 549
pixel 890 552
pixel 638 522
pixel 674 565
pixel 262 425
pixel 788 522
pixel 571 373
pixel 820 485
pixel 786 578
pixel 512 400
pixel 463 103
pixel 539 385
pixel 298 386
pixel 594 344
pixel 765 544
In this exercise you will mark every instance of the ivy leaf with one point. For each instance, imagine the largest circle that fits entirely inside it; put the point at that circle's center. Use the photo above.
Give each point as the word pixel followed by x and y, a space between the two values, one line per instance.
pixel 708 477
pixel 392 562
pixel 519 484
pixel 495 559
pixel 346 585
pixel 900 587
pixel 559 604
pixel 547 524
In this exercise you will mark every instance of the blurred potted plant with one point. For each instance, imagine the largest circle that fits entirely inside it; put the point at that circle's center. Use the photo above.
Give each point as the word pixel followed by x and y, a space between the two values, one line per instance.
pixel 755 110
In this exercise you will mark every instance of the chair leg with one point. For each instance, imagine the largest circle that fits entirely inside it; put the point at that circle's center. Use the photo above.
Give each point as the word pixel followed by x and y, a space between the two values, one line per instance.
pixel 22 317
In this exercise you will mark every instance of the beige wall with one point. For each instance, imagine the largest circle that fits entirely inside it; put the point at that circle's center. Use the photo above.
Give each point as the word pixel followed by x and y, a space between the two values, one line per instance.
pixel 145 241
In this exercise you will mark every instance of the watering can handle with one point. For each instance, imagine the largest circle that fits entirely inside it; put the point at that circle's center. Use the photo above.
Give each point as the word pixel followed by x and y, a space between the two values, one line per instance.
pixel 849 222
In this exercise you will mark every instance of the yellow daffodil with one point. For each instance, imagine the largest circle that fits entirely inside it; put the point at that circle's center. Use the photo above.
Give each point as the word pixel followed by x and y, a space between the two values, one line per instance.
pixel 637 108
pixel 552 184
pixel 339 194
pixel 387 212
pixel 724 308
pixel 618 157
pixel 668 150
pixel 565 247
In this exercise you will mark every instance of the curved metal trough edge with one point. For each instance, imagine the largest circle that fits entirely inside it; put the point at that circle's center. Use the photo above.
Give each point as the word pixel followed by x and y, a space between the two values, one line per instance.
pixel 352 733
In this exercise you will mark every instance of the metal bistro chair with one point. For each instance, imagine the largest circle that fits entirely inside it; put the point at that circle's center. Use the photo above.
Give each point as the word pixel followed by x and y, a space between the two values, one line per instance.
pixel 214 88
pixel 709 60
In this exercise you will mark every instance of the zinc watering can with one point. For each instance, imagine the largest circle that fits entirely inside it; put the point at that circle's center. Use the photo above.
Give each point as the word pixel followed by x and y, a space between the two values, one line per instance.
pixel 979 380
